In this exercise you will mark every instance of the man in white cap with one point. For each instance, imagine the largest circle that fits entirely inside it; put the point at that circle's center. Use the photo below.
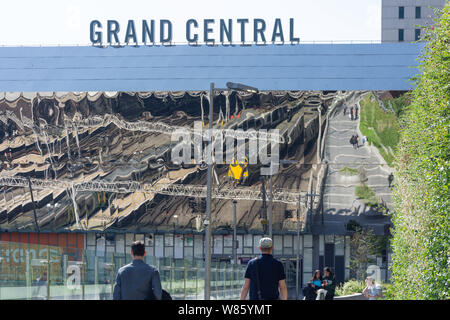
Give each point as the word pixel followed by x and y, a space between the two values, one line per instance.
pixel 265 277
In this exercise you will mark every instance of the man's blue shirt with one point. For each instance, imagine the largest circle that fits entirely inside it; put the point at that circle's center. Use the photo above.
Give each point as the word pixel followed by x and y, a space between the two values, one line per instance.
pixel 270 271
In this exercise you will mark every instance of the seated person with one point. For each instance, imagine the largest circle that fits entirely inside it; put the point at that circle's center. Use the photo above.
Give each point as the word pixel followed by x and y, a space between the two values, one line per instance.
pixel 329 283
pixel 316 281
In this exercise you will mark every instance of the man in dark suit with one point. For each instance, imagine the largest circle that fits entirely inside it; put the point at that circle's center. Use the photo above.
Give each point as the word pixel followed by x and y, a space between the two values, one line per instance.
pixel 137 280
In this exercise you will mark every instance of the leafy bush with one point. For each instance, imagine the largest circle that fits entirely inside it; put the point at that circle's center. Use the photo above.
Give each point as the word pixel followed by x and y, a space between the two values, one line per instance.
pixel 355 286
pixel 400 104
pixel 421 233
pixel 349 171
pixel 350 287
pixel 366 194
pixel 380 127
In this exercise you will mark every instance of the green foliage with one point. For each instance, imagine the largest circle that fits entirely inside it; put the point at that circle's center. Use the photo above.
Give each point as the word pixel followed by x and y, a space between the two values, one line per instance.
pixel 366 194
pixel 355 286
pixel 400 104
pixel 364 243
pixel 381 128
pixel 421 233
pixel 349 171
pixel 350 287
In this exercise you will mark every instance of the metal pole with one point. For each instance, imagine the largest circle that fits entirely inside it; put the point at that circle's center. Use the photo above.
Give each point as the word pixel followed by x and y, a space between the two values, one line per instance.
pixel 310 210
pixel 320 134
pixel 34 205
pixel 28 274
pixel 83 292
pixel 208 202
pixel 48 273
pixel 270 207
pixel 234 233
pixel 64 277
pixel 264 206
pixel 298 248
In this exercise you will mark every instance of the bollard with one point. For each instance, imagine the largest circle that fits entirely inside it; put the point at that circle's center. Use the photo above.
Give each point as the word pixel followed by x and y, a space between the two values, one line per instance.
pixel 82 275
pixel 48 273
pixel 196 282
pixel 185 276
pixel 96 274
pixel 28 275
pixel 65 258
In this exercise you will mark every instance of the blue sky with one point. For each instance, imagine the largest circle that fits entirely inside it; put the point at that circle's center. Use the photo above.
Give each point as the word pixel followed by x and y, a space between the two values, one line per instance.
pixel 52 22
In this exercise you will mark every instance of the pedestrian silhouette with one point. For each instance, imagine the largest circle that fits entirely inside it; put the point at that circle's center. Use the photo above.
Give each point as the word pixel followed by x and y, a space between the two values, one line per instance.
pixel 390 179
pixel 265 278
pixel 137 280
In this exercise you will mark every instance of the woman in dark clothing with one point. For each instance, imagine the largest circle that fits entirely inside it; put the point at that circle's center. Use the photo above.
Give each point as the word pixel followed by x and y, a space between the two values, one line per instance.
pixel 310 291
pixel 329 283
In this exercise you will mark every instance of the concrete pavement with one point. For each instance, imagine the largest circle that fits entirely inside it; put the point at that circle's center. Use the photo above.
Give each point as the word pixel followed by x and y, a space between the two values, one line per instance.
pixel 340 204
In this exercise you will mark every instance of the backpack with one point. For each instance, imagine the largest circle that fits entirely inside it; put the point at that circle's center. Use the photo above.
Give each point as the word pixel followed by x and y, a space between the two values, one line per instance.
pixel 165 295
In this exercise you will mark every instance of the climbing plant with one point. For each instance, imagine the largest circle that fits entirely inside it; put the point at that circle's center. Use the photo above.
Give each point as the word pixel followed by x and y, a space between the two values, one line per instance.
pixel 421 234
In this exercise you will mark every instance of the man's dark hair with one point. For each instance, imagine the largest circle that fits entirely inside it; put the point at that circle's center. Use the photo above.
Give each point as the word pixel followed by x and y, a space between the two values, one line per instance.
pixel 328 269
pixel 138 248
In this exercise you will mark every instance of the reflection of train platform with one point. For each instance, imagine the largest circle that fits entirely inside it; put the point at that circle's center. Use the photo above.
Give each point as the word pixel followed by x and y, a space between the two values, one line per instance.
pixel 106 151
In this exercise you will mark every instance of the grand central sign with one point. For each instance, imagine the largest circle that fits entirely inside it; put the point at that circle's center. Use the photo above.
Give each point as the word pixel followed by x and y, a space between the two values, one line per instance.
pixel 196 31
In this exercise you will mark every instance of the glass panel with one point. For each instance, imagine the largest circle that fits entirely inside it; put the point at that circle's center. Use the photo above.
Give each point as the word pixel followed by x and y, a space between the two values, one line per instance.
pixel 307 238
pixel 256 243
pixel 248 240
pixel 297 240
pixel 228 240
pixel 240 240
pixel 129 239
pixel 347 251
pixel 218 244
pixel 168 251
pixel 189 252
pixel 168 240
pixel 90 239
pixel 120 243
pixel 307 260
pixel 321 245
pixel 329 238
pixel 159 245
pixel 50 272
pixel 188 240
pixel 339 245
pixel 278 245
pixel 149 241
pixel 198 246
pixel 288 251
pixel 287 241
pixel 288 244
pixel 179 246
pixel 100 246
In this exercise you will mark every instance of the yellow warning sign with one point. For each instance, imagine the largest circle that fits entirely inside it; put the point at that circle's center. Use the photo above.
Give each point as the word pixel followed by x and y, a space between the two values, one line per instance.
pixel 238 170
